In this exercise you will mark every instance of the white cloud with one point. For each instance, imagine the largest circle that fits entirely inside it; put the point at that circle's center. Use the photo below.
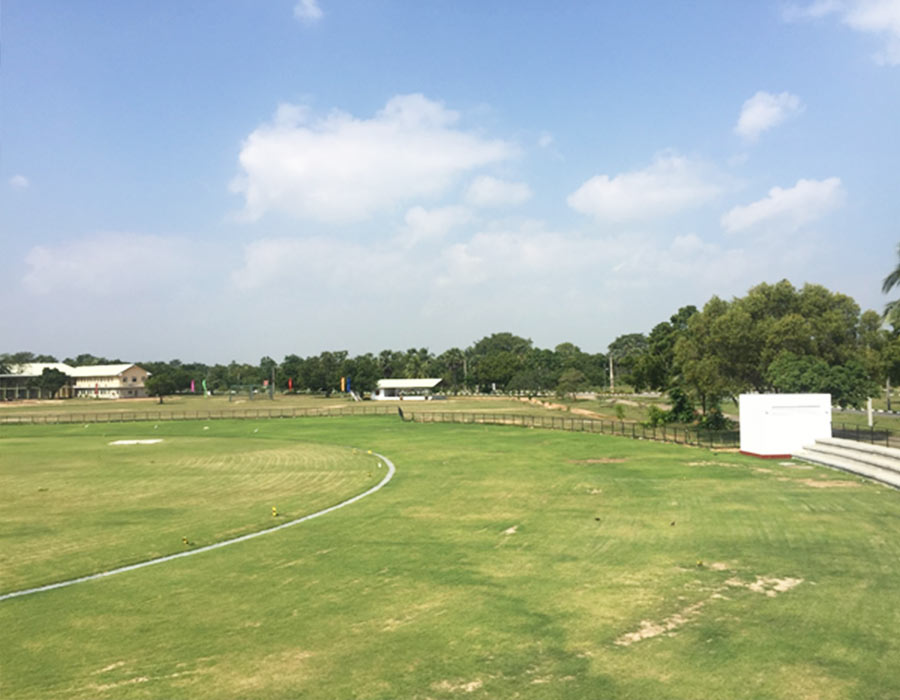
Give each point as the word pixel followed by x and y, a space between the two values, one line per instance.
pixel 106 264
pixel 545 139
pixel 878 17
pixel 487 191
pixel 19 182
pixel 318 262
pixel 670 184
pixel 815 10
pixel 422 225
pixel 790 208
pixel 341 169
pixel 765 110
pixel 308 11
pixel 536 281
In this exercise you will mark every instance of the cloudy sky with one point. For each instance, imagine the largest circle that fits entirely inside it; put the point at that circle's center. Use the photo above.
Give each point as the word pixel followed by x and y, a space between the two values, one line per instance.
pixel 225 180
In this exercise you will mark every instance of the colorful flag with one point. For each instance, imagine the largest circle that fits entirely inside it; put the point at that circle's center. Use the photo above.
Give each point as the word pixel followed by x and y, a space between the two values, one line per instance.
pixel 291 383
pixel 343 384
pixel 203 382
pixel 192 387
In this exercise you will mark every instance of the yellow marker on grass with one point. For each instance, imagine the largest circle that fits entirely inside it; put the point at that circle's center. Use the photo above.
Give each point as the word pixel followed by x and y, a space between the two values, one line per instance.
pixel 274 512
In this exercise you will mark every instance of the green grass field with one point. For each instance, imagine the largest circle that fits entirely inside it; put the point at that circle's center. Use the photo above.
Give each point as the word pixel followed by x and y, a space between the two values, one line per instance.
pixel 500 562
pixel 190 406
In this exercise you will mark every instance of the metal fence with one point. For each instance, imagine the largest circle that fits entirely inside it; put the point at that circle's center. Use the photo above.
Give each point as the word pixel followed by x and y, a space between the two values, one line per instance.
pixel 164 415
pixel 862 433
pixel 680 435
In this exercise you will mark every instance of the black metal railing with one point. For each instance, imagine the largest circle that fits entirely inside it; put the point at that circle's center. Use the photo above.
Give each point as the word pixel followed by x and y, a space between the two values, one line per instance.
pixel 680 435
pixel 685 435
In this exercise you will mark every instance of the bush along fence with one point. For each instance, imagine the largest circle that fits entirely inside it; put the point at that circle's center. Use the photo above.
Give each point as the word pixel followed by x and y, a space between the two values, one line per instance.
pixel 680 435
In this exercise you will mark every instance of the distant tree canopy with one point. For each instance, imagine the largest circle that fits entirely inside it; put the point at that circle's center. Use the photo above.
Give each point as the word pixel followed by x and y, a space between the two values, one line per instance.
pixel 892 309
pixel 11 359
pixel 730 347
pixel 86 359
pixel 776 338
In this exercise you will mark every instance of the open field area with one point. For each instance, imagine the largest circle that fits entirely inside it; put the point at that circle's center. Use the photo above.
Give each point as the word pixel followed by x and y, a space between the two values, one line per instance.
pixel 629 408
pixel 74 503
pixel 499 562
pixel 186 405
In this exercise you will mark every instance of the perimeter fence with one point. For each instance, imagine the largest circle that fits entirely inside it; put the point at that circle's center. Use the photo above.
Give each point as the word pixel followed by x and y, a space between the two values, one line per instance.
pixel 863 433
pixel 164 415
pixel 680 435
pixel 637 431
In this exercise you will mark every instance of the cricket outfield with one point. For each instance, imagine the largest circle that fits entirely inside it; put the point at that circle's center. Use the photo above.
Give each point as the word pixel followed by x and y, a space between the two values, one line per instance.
pixel 499 562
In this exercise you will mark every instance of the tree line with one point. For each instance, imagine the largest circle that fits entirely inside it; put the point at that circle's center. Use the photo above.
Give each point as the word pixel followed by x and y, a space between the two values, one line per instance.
pixel 777 338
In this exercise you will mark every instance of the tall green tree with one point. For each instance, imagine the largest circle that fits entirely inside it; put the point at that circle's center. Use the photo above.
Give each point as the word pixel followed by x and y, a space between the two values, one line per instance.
pixel 892 309
pixel 495 359
pixel 571 381
pixel 451 366
pixel 165 383
pixel 696 359
pixel 730 347
pixel 626 351
pixel 51 381
pixel 655 368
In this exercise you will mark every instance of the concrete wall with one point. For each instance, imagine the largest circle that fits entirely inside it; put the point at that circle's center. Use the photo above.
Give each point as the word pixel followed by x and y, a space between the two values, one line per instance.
pixel 777 425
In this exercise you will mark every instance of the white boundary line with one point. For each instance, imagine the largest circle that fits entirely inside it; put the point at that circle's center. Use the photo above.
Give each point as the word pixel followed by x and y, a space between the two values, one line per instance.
pixel 209 547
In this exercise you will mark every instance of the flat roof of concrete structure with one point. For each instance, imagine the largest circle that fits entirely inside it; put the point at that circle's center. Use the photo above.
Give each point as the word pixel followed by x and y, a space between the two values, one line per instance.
pixel 428 383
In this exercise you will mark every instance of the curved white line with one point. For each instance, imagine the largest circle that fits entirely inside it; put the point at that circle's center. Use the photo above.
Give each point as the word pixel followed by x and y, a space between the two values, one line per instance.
pixel 207 548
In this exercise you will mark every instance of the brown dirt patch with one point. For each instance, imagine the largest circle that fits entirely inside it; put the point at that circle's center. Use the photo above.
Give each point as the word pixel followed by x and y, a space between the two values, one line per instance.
pixel 649 629
pixel 835 484
pixel 795 465
pixel 767 585
pixel 130 681
pixel 111 667
pixel 469 687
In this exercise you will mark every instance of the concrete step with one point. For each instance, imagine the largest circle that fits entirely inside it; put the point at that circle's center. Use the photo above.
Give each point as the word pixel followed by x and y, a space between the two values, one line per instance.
pixel 885 476
pixel 875 459
pixel 862 447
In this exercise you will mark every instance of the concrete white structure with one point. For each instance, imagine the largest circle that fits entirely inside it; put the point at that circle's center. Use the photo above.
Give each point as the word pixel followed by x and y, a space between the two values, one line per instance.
pixel 124 381
pixel 93 381
pixel 778 425
pixel 404 389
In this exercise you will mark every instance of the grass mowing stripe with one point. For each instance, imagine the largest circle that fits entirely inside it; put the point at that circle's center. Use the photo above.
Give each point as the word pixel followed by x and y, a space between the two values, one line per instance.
pixel 207 548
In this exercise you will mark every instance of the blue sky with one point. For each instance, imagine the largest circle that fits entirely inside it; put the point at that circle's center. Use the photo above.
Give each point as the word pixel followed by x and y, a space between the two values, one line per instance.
pixel 226 180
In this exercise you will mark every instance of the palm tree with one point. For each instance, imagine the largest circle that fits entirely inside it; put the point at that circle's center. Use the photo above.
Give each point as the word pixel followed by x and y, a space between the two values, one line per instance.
pixel 892 310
